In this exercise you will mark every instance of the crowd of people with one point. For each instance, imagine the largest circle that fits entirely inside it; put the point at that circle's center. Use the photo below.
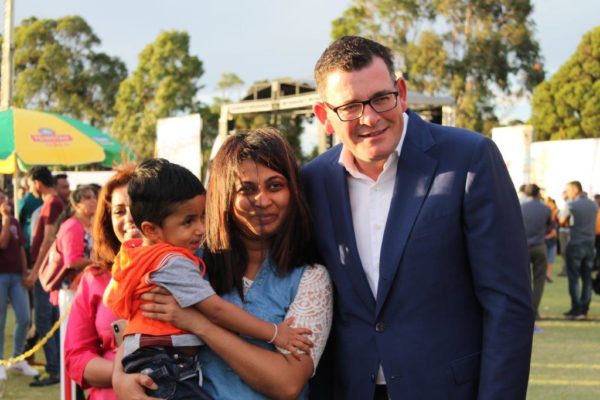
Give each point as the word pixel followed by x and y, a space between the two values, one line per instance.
pixel 412 230
pixel 580 221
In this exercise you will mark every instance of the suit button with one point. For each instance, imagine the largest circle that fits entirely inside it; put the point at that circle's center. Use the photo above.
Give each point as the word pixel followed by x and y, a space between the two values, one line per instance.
pixel 379 327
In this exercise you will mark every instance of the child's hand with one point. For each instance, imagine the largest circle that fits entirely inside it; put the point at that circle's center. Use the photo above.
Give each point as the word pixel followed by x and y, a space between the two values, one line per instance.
pixel 294 340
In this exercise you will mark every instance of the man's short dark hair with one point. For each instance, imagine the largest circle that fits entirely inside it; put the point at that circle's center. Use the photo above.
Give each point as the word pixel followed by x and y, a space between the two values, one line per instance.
pixel 351 53
pixel 41 173
pixel 532 190
pixel 576 185
pixel 156 186
pixel 59 176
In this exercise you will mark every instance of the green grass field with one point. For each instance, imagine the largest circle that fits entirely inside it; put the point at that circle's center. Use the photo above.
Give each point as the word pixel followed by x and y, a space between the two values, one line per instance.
pixel 565 362
pixel 17 385
pixel 566 354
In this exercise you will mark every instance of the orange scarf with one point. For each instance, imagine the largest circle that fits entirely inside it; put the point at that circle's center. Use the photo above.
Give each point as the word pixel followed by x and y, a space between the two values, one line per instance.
pixel 131 278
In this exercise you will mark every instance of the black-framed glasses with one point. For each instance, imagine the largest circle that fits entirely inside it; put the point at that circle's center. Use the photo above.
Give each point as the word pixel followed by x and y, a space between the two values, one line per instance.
pixel 380 103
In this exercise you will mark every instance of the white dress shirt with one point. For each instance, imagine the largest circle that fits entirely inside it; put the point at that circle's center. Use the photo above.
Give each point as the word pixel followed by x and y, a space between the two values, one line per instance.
pixel 370 204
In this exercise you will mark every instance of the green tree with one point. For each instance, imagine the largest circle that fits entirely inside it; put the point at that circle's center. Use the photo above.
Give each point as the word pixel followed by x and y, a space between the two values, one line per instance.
pixel 228 80
pixel 469 49
pixel 57 69
pixel 289 125
pixel 164 84
pixel 229 83
pixel 210 129
pixel 428 59
pixel 390 22
pixel 567 106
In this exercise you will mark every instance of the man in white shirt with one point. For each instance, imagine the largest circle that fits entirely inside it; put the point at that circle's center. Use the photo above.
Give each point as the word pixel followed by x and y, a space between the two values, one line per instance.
pixel 420 228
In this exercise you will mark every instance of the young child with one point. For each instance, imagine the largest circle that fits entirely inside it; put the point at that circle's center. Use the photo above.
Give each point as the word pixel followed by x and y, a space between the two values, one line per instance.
pixel 167 205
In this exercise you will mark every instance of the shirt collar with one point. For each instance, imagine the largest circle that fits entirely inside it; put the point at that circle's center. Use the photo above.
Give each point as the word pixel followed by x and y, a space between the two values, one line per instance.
pixel 347 158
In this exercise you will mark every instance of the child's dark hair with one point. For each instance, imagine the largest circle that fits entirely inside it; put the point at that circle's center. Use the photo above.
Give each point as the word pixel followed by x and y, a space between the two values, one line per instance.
pixel 156 186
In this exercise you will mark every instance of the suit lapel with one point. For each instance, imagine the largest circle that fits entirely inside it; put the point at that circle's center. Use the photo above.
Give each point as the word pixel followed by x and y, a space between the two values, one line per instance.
pixel 413 180
pixel 345 239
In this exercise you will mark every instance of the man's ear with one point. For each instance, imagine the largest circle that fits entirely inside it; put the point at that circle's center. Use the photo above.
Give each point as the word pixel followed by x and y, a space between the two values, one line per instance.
pixel 401 85
pixel 151 231
pixel 320 111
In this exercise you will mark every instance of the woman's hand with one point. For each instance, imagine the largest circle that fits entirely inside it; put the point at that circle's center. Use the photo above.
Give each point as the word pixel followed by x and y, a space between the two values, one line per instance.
pixel 29 281
pixel 130 386
pixel 159 304
pixel 551 234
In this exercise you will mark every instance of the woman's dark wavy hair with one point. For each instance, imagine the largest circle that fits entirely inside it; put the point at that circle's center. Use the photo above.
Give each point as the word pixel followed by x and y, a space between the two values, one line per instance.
pixel 106 244
pixel 291 247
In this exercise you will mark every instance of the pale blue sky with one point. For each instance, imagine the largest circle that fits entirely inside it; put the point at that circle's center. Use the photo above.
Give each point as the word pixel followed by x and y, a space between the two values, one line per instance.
pixel 266 39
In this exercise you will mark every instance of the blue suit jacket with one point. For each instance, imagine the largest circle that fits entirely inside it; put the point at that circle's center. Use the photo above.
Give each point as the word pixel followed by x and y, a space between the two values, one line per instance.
pixel 453 316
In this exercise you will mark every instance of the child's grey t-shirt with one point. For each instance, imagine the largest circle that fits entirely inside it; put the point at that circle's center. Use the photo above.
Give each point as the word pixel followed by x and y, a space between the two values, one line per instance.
pixel 183 279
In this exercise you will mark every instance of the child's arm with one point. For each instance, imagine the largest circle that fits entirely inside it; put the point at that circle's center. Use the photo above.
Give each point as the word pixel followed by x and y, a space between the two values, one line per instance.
pixel 229 316
pixel 180 277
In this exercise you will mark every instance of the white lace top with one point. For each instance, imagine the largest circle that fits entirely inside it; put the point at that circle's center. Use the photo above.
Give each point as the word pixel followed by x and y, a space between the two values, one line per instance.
pixel 312 308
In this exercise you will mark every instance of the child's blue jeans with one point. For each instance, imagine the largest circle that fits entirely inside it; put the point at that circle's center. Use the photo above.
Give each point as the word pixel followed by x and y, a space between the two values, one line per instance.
pixel 176 373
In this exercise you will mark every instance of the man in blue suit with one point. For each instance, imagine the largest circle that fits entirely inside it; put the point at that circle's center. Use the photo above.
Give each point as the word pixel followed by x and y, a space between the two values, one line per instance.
pixel 420 228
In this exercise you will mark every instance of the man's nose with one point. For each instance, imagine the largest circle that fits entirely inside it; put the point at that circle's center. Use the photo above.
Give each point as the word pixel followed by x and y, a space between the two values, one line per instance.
pixel 369 117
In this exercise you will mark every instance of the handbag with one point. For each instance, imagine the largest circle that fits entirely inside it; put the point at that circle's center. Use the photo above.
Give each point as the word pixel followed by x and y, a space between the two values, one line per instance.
pixel 53 272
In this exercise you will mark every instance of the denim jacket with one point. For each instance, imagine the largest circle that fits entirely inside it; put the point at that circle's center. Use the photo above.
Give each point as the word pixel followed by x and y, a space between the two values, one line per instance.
pixel 269 299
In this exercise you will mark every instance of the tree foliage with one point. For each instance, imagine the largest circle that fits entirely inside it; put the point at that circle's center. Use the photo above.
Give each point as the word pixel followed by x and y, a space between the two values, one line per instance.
pixel 466 48
pixel 567 106
pixel 230 84
pixel 289 125
pixel 164 84
pixel 228 80
pixel 57 69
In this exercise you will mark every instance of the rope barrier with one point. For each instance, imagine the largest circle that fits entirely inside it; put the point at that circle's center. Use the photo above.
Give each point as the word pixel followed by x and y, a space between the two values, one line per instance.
pixel 38 345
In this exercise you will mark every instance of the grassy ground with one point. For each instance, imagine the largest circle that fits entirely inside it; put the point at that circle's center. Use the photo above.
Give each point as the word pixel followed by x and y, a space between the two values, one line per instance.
pixel 565 363
pixel 566 354
pixel 17 385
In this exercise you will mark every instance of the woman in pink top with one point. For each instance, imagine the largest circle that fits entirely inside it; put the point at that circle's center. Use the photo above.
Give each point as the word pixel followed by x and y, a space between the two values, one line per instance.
pixel 73 239
pixel 74 243
pixel 90 344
